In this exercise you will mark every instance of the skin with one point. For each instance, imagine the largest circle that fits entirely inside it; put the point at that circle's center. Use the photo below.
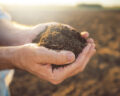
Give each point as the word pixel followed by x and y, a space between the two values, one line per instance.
pixel 17 51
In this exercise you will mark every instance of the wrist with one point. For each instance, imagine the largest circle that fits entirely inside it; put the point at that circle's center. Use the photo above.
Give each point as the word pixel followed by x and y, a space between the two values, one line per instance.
pixel 6 57
pixel 27 34
pixel 13 34
pixel 21 37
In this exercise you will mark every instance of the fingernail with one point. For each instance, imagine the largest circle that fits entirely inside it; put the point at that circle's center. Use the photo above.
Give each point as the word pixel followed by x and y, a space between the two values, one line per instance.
pixel 84 32
pixel 70 57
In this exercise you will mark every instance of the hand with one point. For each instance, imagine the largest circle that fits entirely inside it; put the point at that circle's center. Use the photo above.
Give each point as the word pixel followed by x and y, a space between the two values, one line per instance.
pixel 59 74
pixel 37 60
pixel 36 30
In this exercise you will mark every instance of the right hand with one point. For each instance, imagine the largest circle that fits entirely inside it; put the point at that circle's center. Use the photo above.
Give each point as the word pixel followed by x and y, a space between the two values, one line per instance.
pixel 37 60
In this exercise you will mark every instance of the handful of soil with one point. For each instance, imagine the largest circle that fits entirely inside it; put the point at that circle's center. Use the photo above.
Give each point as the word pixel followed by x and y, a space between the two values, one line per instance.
pixel 61 37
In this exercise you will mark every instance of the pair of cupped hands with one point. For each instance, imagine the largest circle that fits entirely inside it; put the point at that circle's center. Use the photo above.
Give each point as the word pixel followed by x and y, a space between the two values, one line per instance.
pixel 38 60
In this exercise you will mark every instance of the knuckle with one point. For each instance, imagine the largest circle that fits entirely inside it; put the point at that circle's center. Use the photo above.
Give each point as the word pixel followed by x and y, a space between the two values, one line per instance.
pixel 60 58
pixel 55 59
pixel 55 80
pixel 66 56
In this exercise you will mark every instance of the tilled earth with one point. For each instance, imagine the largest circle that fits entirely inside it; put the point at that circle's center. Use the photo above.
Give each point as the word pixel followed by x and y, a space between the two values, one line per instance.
pixel 102 75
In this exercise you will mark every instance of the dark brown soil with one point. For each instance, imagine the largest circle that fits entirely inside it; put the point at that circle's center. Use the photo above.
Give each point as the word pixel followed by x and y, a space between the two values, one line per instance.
pixel 61 37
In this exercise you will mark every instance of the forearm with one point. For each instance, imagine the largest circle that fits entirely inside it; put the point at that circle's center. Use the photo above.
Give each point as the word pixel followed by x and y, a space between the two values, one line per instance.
pixel 12 34
pixel 6 57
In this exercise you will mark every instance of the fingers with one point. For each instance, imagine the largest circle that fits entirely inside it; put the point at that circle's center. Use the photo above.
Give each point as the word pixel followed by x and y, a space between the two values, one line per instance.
pixel 78 63
pixel 47 56
pixel 84 34
pixel 90 53
pixel 83 54
pixel 90 40
pixel 64 72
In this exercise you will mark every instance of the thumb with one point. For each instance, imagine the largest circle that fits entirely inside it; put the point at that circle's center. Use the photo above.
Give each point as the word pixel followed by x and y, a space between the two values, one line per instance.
pixel 49 56
pixel 84 34
pixel 36 31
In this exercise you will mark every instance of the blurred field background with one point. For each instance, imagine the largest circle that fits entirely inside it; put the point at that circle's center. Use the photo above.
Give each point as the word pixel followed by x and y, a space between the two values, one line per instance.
pixel 102 75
